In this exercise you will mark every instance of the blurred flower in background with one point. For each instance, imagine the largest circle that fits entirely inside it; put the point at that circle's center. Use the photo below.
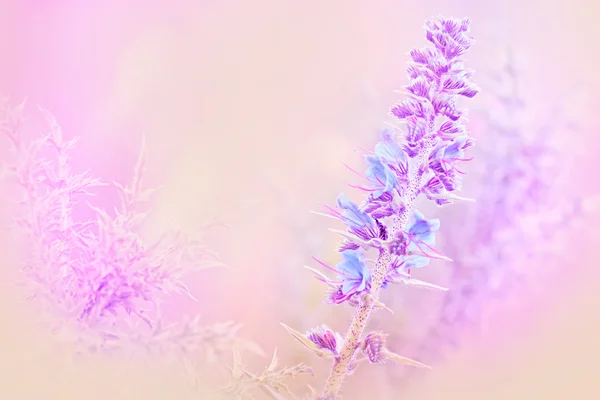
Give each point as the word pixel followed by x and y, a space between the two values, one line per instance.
pixel 523 212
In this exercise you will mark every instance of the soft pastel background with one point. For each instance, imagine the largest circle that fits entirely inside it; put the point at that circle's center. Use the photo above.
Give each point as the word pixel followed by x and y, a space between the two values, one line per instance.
pixel 249 107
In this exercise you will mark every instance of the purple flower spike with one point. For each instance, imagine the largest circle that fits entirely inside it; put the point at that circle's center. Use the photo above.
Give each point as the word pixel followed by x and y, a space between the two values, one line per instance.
pixel 420 161
pixel 353 277
pixel 437 78
pixel 449 36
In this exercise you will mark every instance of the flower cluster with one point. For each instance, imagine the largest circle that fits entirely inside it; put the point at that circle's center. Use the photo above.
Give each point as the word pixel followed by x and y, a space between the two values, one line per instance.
pixel 97 279
pixel 422 159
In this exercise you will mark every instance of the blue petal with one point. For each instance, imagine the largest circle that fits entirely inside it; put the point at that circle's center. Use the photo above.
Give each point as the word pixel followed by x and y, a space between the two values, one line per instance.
pixel 419 228
pixel 366 274
pixel 389 149
pixel 352 264
pixel 376 169
pixel 438 153
pixel 343 201
pixel 434 224
pixel 455 149
pixel 423 230
pixel 417 215
pixel 379 174
pixel 361 287
pixel 355 217
pixel 348 286
pixel 416 261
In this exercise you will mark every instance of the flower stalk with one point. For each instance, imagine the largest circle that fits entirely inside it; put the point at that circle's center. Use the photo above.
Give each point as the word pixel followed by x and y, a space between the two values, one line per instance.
pixel 402 167
pixel 382 268
pixel 405 164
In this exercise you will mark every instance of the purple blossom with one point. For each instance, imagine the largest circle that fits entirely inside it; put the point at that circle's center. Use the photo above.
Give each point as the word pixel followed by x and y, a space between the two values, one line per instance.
pixel 353 276
pixel 373 346
pixel 421 232
pixel 391 153
pixel 442 162
pixel 335 295
pixel 359 222
pixel 353 272
pixel 381 207
pixel 437 77
pixel 381 177
pixel 455 151
pixel 326 339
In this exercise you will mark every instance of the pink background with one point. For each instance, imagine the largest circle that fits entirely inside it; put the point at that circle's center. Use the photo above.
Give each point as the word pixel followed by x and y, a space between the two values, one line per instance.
pixel 248 108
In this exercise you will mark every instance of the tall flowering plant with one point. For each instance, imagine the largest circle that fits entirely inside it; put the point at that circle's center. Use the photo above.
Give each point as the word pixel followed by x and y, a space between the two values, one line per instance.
pixel 98 280
pixel 421 160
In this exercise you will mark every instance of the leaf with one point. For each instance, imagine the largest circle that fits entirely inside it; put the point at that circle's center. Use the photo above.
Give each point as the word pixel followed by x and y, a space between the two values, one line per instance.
pixel 306 342
pixel 403 360
pixel 274 362
pixel 409 281
pixel 423 284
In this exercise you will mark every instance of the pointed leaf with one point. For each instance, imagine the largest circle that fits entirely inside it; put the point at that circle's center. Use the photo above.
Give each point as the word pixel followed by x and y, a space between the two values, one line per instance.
pixel 305 341
pixel 404 360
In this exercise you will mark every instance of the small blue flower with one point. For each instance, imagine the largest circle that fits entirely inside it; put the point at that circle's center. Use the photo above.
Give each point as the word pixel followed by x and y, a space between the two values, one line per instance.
pixel 390 151
pixel 381 177
pixel 360 223
pixel 353 272
pixel 353 277
pixel 456 150
pixel 422 231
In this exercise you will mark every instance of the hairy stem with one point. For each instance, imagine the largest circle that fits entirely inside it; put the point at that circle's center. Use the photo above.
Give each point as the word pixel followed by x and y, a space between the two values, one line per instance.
pixel 361 318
